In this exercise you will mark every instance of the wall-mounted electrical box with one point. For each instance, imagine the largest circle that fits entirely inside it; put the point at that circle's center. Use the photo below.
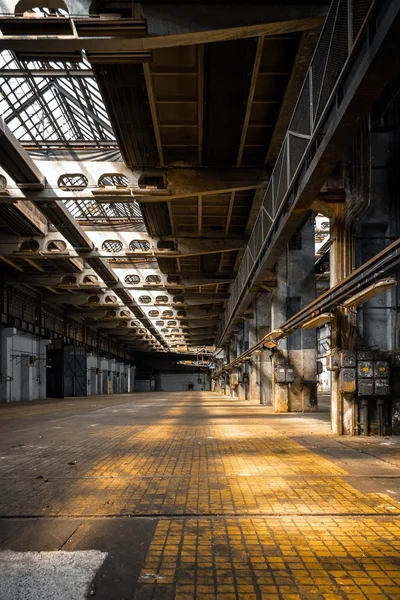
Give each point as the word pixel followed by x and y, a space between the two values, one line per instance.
pixel 365 387
pixel 381 369
pixel 348 381
pixel 284 374
pixel 347 359
pixel 381 387
pixel 333 362
pixel 365 369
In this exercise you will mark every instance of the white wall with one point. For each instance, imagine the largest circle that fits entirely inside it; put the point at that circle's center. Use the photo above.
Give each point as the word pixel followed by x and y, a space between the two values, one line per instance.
pixel 177 382
pixel 21 380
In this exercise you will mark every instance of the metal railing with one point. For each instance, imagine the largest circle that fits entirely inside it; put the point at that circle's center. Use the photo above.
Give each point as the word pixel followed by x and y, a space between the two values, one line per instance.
pixel 344 28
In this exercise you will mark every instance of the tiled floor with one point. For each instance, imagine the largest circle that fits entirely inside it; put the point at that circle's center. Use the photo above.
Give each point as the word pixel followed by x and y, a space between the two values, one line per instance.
pixel 237 503
pixel 262 558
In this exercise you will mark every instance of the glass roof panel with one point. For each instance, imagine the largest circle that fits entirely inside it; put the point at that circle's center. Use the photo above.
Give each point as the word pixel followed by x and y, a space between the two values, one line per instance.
pixel 64 106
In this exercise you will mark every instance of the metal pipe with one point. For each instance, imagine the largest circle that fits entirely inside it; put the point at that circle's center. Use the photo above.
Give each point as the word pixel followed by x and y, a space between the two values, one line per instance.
pixel 384 263
pixel 380 404
pixel 364 412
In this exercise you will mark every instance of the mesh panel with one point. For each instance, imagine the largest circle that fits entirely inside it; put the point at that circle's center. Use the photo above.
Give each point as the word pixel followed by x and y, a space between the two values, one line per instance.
pixel 301 122
pixel 282 186
pixel 268 202
pixel 252 245
pixel 267 222
pixel 322 51
pixel 276 177
pixel 336 59
pixel 258 230
pixel 359 11
pixel 297 147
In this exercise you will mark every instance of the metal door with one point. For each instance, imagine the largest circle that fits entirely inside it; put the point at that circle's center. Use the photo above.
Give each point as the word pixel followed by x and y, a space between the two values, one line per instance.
pixel 75 371
pixel 55 372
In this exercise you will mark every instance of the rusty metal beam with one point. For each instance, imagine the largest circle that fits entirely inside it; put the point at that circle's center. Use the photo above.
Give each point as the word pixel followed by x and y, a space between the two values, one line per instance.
pixel 249 106
pixel 113 48
pixel 200 101
pixel 153 109
pixel 229 215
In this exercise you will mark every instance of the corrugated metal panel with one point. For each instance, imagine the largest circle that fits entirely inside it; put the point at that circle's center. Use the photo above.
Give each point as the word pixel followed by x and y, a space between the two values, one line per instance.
pixel 124 93
pixel 14 220
pixel 156 218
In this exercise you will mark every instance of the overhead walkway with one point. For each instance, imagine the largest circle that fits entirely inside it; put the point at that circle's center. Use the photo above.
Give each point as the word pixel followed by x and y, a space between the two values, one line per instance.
pixel 195 496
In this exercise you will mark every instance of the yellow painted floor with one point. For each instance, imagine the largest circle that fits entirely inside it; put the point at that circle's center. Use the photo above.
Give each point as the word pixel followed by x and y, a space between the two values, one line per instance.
pixel 238 503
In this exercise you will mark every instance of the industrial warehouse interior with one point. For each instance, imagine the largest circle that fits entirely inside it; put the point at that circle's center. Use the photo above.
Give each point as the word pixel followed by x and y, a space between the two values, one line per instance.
pixel 199 304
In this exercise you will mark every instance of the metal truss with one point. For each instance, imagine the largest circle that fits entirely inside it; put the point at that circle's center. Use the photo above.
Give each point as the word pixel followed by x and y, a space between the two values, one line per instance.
pixel 62 107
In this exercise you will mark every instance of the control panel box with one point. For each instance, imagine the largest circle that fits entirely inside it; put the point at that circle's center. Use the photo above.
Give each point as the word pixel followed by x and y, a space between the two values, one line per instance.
pixel 348 381
pixel 289 374
pixel 284 374
pixel 347 359
pixel 381 387
pixel 381 369
pixel 365 369
pixel 333 362
pixel 365 387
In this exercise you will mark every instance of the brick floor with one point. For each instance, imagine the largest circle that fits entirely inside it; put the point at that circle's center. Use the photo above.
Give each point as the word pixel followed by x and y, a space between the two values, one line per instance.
pixel 241 503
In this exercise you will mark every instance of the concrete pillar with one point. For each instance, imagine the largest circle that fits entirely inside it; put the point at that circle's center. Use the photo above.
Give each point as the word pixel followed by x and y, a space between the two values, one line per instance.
pixel 230 355
pixel 239 340
pixel 295 289
pixel 340 267
pixel 367 224
pixel 253 366
pixel 260 377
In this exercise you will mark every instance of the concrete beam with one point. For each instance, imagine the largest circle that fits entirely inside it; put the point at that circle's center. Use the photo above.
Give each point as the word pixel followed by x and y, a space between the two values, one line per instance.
pixel 23 215
pixel 17 162
pixel 180 182
pixel 109 299
pixel 88 279
pixel 56 244
pixel 56 283
pixel 105 301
